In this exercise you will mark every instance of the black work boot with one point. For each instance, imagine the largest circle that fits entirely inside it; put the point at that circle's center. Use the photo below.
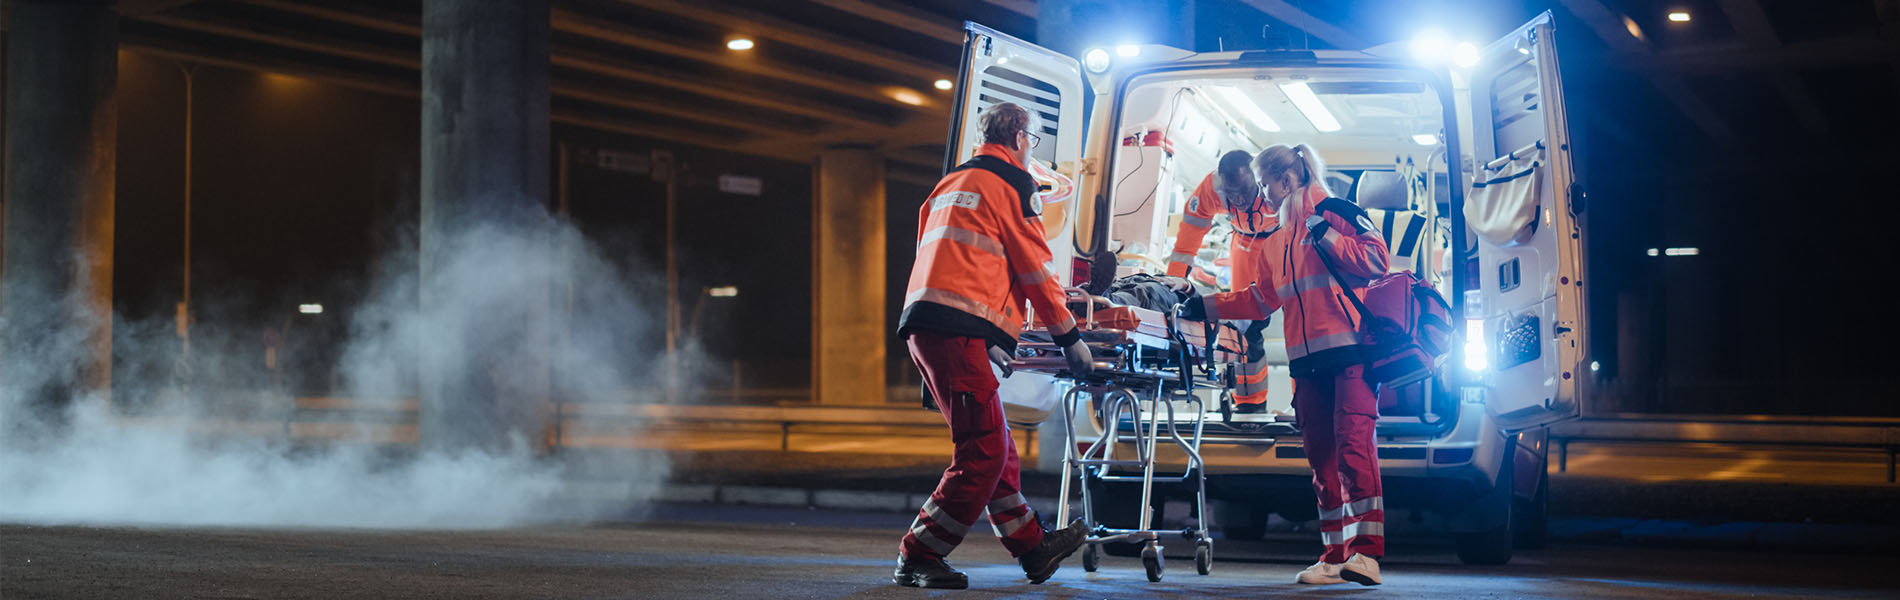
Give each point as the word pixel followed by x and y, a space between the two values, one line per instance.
pixel 1056 545
pixel 928 573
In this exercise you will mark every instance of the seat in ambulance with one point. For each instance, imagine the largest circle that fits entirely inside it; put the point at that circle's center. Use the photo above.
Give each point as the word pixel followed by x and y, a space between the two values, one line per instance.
pixel 1387 199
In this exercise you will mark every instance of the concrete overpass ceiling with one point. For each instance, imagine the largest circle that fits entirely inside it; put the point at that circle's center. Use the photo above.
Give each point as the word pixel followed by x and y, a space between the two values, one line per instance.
pixel 826 72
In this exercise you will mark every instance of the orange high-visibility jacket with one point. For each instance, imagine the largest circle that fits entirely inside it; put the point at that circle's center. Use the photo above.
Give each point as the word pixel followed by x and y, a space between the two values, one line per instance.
pixel 980 254
pixel 1322 328
pixel 1251 221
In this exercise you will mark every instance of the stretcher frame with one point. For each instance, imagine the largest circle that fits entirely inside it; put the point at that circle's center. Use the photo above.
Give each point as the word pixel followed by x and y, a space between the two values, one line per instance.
pixel 1141 369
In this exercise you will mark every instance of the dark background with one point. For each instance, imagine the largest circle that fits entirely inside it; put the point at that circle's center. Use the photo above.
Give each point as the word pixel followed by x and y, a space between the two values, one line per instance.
pixel 300 187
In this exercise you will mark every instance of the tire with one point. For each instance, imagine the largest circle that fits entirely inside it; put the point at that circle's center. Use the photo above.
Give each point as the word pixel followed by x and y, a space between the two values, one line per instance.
pixel 1091 558
pixel 1485 547
pixel 1492 547
pixel 1531 529
pixel 1203 558
pixel 1151 562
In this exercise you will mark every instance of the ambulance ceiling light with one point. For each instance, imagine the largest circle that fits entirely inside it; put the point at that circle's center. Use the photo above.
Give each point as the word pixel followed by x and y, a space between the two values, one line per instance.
pixel 1465 55
pixel 1095 60
pixel 1247 108
pixel 1426 139
pixel 1304 99
pixel 1430 46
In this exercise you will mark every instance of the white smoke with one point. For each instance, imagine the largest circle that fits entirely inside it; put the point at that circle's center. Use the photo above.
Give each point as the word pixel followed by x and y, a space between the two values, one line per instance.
pixel 534 310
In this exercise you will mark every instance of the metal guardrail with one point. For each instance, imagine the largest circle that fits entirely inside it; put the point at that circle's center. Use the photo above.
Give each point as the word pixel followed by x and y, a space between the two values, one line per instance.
pixel 1758 430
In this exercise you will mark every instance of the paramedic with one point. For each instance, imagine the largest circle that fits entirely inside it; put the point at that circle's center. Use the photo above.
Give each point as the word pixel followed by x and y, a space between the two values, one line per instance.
pixel 1232 190
pixel 980 253
pixel 1334 406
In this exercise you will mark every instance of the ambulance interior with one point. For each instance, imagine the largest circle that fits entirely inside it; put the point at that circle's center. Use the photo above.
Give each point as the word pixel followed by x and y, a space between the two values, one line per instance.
pixel 1380 133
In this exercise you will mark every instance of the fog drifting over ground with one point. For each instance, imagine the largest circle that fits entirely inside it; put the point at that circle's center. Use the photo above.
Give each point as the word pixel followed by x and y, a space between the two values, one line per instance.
pixel 499 298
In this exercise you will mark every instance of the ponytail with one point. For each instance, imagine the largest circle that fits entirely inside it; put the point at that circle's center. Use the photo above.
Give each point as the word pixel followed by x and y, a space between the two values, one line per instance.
pixel 1300 160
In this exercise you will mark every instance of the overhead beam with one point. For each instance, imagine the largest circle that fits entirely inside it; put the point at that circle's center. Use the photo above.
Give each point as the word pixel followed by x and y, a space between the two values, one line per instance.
pixel 1752 23
pixel 1610 26
pixel 674 80
pixel 722 15
pixel 1287 13
pixel 387 22
pixel 571 22
pixel 902 18
pixel 592 62
pixel 172 50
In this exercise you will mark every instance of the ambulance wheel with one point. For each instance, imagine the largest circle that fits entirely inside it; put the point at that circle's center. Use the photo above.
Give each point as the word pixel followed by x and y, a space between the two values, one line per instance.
pixel 1532 529
pixel 1091 558
pixel 1203 558
pixel 1151 561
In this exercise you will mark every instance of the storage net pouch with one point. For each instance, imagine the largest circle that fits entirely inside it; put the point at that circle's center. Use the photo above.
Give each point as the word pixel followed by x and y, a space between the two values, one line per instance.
pixel 1502 205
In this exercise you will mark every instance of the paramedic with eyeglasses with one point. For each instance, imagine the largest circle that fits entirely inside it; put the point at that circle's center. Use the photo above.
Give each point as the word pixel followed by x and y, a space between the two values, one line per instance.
pixel 1334 406
pixel 980 254
pixel 1231 190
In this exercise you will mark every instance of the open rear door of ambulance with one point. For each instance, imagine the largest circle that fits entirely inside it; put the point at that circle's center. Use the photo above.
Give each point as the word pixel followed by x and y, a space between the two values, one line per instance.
pixel 1000 68
pixel 1529 236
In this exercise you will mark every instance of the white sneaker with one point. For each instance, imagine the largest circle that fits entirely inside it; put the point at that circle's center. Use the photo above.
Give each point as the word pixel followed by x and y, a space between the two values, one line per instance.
pixel 1321 573
pixel 1360 569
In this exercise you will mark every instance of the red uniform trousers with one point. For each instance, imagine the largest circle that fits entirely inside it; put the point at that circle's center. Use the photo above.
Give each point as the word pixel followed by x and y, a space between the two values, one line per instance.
pixel 1336 414
pixel 1251 378
pixel 983 472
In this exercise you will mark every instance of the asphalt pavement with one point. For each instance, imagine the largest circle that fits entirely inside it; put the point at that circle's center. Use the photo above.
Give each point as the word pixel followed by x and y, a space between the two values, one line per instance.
pixel 710 551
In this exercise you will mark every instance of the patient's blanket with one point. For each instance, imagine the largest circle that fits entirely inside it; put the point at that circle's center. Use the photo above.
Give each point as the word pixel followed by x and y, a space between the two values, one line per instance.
pixel 1153 292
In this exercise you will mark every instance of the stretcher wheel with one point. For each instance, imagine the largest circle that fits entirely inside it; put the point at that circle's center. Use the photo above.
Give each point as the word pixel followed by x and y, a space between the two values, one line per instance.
pixel 1203 558
pixel 1090 558
pixel 1151 561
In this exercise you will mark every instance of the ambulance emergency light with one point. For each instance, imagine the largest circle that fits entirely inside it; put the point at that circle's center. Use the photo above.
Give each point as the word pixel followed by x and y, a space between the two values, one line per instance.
pixel 1432 46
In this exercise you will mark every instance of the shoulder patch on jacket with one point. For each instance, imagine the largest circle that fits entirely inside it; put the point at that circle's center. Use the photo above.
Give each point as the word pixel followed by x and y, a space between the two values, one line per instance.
pixel 1015 177
pixel 1349 211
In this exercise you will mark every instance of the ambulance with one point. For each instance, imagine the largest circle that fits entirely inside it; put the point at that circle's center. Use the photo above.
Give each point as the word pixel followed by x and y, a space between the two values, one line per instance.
pixel 1463 155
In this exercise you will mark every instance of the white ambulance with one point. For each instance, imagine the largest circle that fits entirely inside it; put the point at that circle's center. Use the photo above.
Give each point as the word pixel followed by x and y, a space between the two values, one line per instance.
pixel 1465 162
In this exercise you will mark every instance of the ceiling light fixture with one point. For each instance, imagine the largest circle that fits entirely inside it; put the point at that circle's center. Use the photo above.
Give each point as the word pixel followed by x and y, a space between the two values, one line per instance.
pixel 1679 16
pixel 1309 105
pixel 944 84
pixel 1247 108
pixel 739 44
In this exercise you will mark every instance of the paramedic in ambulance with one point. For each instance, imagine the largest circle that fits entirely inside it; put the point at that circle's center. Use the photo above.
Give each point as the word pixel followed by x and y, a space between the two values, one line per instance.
pixel 980 254
pixel 1332 402
pixel 1231 190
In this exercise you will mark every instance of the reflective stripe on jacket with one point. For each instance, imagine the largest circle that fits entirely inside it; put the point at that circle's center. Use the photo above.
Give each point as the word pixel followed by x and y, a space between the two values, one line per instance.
pixel 1203 205
pixel 1322 328
pixel 980 255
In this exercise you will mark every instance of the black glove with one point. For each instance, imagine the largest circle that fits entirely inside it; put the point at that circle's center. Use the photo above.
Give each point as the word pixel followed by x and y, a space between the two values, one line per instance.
pixel 1193 309
pixel 1000 358
pixel 1080 359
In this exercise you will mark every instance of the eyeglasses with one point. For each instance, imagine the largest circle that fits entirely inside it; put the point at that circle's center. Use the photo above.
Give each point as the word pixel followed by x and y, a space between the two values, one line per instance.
pixel 1034 140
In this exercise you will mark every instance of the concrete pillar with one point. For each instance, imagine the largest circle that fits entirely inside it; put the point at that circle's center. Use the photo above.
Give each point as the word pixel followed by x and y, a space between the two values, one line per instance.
pixel 1073 26
pixel 61 137
pixel 848 334
pixel 483 371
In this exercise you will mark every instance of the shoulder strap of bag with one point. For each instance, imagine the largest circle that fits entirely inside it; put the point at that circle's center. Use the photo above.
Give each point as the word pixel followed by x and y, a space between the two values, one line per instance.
pixel 1365 314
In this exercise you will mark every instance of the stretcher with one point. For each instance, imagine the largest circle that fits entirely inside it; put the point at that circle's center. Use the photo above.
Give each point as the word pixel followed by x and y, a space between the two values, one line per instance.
pixel 1147 365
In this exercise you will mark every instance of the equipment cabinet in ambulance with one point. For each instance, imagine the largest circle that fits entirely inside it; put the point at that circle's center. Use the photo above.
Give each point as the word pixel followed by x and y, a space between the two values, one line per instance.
pixel 1466 164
